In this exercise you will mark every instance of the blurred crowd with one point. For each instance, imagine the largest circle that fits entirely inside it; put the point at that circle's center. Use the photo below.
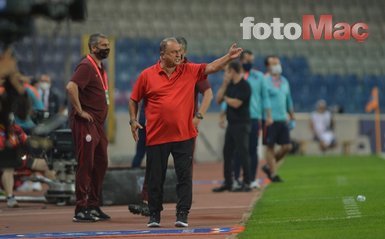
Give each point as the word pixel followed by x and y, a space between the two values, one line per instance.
pixel 26 101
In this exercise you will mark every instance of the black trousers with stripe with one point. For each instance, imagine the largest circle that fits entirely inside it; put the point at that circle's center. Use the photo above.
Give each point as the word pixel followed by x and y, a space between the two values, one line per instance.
pixel 156 168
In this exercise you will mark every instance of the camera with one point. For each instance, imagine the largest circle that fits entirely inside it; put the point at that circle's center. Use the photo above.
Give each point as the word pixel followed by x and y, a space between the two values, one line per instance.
pixel 62 159
pixel 57 149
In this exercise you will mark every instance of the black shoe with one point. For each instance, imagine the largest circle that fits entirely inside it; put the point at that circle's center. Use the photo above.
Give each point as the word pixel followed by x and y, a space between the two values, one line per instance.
pixel 181 219
pixel 97 212
pixel 222 189
pixel 266 170
pixel 277 179
pixel 84 216
pixel 140 209
pixel 244 188
pixel 154 220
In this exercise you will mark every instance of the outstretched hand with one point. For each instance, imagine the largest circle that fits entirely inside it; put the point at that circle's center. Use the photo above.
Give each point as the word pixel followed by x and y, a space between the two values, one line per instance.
pixel 7 63
pixel 234 51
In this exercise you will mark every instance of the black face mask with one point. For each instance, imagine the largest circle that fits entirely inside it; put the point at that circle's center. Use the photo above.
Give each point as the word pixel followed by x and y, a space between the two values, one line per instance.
pixel 102 53
pixel 247 66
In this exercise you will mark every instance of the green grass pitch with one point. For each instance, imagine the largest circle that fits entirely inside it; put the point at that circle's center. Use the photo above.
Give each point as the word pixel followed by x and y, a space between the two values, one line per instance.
pixel 319 200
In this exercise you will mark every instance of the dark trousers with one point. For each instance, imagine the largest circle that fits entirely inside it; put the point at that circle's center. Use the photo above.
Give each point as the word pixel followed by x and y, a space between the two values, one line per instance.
pixel 91 152
pixel 236 146
pixel 253 152
pixel 156 168
pixel 140 149
pixel 144 193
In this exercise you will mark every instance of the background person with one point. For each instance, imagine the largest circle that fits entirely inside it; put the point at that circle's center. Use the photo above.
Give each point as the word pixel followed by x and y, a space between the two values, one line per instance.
pixel 51 98
pixel 27 107
pixel 11 135
pixel 282 114
pixel 259 105
pixel 236 92
pixel 322 126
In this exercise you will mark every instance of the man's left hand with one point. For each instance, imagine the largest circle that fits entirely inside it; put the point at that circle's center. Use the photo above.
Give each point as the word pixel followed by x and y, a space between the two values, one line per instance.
pixel 196 122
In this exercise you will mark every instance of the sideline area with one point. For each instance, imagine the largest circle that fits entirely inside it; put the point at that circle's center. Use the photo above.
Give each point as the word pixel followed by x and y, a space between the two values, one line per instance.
pixel 212 216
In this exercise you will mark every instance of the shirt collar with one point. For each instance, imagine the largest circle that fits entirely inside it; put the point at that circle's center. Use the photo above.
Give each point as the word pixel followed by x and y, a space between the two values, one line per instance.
pixel 160 70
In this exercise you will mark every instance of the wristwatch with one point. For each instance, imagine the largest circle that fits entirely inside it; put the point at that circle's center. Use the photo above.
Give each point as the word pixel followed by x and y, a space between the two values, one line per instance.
pixel 199 116
pixel 131 121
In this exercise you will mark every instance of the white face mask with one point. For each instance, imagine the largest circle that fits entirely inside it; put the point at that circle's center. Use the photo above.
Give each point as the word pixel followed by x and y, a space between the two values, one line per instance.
pixel 45 85
pixel 276 69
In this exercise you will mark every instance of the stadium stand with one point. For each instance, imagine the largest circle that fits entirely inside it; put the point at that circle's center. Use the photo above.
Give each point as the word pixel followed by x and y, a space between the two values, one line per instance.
pixel 316 69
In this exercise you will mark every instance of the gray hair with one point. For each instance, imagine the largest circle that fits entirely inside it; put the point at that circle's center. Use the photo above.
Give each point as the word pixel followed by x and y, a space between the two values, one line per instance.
pixel 94 39
pixel 163 43
pixel 183 42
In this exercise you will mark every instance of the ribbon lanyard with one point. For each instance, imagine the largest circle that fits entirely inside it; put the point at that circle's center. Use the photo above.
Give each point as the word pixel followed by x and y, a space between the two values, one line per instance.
pixel 276 82
pixel 103 79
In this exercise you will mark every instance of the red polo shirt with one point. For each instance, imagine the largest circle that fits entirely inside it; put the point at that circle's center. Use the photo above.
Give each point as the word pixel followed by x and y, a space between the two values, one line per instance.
pixel 169 106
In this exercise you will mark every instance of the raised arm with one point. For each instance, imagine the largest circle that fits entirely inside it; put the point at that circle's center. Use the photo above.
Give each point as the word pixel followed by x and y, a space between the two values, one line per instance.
pixel 233 102
pixel 217 65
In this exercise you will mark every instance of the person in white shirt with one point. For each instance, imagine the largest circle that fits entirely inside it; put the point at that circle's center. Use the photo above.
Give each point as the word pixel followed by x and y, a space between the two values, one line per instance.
pixel 322 126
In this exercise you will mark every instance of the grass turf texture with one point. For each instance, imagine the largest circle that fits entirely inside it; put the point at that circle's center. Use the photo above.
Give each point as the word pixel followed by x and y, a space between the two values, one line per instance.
pixel 310 203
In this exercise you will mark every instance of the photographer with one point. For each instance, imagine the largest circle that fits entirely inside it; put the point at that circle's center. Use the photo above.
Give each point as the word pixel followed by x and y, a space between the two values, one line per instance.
pixel 13 140
pixel 10 149
pixel 10 135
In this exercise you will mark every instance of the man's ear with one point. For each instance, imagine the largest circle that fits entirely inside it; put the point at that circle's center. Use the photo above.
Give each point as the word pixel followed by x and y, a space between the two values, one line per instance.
pixel 93 48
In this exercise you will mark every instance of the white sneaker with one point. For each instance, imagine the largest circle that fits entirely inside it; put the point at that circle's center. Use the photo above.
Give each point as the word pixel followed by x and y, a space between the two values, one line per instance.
pixel 236 185
pixel 11 202
pixel 37 187
pixel 25 187
pixel 254 184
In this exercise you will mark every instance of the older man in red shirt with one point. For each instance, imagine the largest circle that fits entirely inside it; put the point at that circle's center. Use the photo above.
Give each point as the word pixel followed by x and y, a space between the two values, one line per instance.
pixel 168 88
pixel 202 87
